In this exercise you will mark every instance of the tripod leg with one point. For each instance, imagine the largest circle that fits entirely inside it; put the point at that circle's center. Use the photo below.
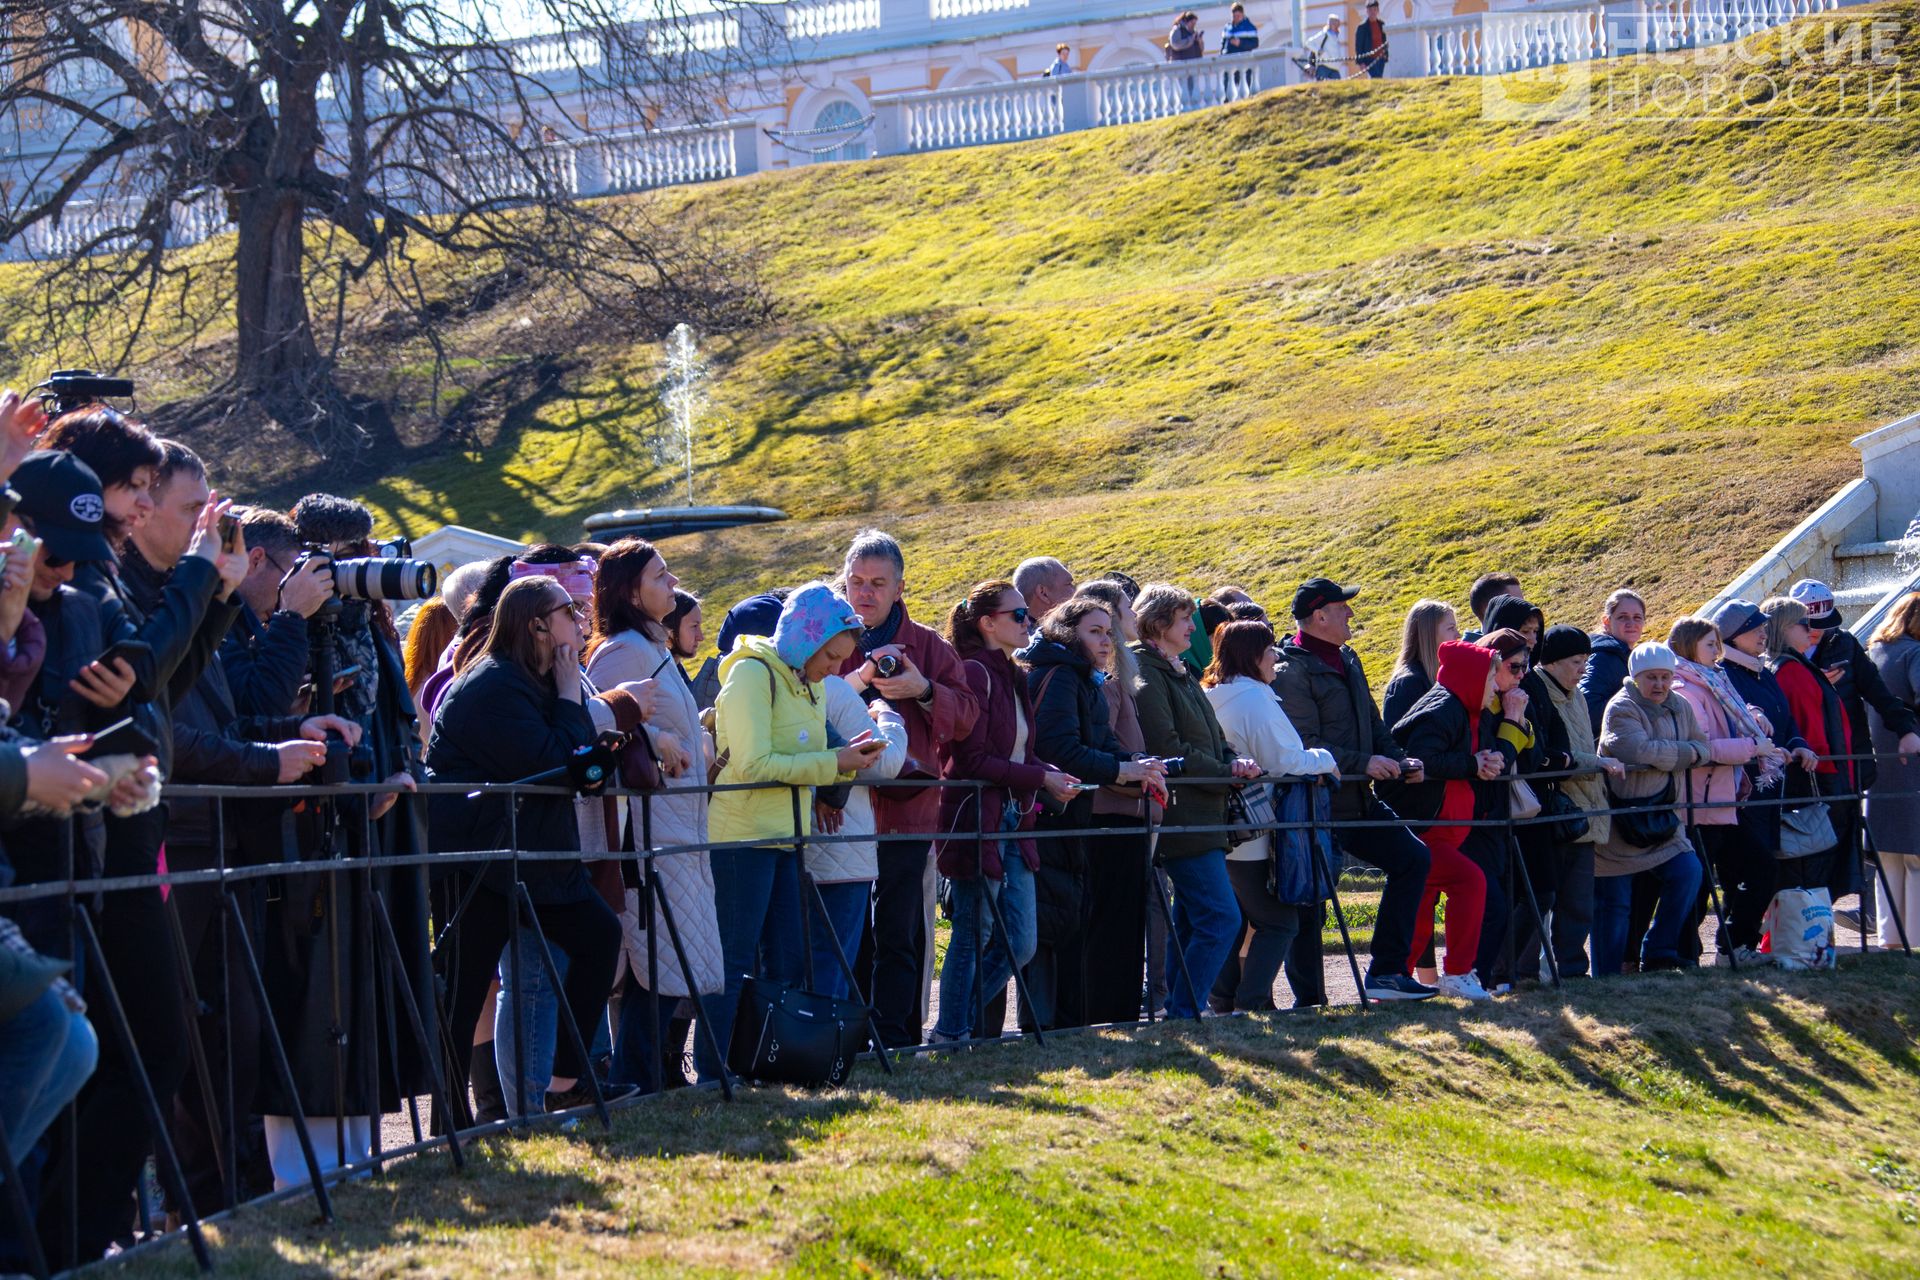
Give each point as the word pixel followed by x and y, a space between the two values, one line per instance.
pixel 1533 905
pixel 1324 882
pixel 397 968
pixel 20 1211
pixel 162 1141
pixel 1173 944
pixel 277 1050
pixel 1713 898
pixel 840 955
pixel 566 1010
pixel 1893 908
pixel 196 1043
pixel 686 969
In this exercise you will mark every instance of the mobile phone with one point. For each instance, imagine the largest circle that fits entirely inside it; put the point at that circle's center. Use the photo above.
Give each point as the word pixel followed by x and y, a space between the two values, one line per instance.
pixel 347 672
pixel 20 544
pixel 229 526
pixel 129 651
pixel 1086 786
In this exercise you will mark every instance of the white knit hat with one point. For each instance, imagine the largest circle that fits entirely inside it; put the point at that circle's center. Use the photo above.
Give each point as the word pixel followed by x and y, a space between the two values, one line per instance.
pixel 1651 655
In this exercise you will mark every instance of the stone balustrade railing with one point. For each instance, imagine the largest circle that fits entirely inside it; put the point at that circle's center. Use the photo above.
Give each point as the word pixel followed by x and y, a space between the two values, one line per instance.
pixel 611 164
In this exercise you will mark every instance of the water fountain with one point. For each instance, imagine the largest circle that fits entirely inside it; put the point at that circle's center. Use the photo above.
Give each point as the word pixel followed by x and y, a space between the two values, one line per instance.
pixel 683 393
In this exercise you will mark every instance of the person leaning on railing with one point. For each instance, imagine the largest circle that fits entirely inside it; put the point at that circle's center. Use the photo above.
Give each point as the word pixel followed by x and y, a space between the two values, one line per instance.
pixel 1066 671
pixel 770 726
pixel 518 712
pixel 1745 760
pixel 1652 731
pixel 1179 725
pixel 1822 720
pixel 1239 687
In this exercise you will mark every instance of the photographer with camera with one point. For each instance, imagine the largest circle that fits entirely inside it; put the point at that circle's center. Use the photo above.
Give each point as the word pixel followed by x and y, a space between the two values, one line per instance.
pixel 268 651
pixel 164 640
pixel 320 956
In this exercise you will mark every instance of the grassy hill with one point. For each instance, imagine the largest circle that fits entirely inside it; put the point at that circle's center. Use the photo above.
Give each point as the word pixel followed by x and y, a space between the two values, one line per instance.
pixel 1703 1124
pixel 1354 328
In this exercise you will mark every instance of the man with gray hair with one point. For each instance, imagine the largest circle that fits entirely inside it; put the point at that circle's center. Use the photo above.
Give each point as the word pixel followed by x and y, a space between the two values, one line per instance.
pixel 1046 583
pixel 928 687
pixel 461 585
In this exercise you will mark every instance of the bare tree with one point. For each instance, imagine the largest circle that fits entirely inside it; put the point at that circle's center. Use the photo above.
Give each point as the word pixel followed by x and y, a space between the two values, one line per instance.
pixel 386 149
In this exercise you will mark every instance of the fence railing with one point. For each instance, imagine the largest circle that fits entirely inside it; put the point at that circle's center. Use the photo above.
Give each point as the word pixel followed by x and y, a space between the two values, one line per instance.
pixel 422 1024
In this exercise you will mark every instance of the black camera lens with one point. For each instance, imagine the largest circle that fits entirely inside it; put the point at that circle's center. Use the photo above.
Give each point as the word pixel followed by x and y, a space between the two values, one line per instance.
pixel 886 666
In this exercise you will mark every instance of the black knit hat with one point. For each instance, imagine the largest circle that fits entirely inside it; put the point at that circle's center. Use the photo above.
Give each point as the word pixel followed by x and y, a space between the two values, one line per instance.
pixel 1563 642
pixel 324 518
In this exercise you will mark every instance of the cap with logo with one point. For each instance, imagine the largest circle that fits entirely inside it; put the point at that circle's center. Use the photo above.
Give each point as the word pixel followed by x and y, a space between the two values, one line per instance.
pixel 62 496
pixel 1316 592
pixel 1817 596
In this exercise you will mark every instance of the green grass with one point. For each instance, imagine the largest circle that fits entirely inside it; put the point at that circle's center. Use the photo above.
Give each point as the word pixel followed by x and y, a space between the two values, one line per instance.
pixel 1674 1125
pixel 1355 329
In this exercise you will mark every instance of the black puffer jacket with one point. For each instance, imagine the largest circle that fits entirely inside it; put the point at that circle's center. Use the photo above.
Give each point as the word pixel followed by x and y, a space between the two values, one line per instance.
pixel 1405 687
pixel 1442 733
pixel 1335 710
pixel 214 744
pixel 1071 733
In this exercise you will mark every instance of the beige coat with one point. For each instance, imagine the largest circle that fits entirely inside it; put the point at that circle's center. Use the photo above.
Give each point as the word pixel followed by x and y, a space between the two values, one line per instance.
pixel 1664 740
pixel 1589 791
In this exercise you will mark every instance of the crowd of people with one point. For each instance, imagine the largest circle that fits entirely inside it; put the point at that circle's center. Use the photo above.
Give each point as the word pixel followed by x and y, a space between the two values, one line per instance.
pixel 1133 753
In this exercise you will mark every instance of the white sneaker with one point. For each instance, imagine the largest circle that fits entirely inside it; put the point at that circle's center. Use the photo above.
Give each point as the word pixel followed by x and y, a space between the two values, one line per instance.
pixel 1463 986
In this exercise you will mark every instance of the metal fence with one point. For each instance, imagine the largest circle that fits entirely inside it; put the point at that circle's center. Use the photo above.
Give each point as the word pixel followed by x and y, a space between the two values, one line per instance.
pixel 425 1027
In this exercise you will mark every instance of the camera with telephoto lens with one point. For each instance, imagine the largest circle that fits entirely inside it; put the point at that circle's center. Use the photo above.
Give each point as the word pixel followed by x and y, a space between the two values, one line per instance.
pixel 388 575
pixel 69 389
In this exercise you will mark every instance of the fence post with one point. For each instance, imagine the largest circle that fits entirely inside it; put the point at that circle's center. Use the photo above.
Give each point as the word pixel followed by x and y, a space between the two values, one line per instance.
pixel 889 127
pixel 1076 102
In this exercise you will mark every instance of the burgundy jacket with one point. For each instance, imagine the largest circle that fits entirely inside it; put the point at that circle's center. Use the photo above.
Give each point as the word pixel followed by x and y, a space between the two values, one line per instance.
pixel 929 727
pixel 986 753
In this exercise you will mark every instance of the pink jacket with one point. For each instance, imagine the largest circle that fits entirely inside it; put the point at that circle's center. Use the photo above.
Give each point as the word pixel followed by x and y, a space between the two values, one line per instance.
pixel 1717 787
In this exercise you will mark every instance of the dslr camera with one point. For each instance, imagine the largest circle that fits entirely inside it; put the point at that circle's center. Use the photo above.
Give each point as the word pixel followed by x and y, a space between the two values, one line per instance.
pixel 390 573
pixel 344 763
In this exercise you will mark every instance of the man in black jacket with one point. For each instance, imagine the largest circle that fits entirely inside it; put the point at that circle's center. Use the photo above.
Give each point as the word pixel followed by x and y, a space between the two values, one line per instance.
pixel 267 653
pixel 1325 695
pixel 1854 677
pixel 214 744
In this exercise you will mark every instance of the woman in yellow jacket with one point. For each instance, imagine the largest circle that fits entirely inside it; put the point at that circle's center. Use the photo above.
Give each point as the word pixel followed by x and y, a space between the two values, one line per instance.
pixel 771 722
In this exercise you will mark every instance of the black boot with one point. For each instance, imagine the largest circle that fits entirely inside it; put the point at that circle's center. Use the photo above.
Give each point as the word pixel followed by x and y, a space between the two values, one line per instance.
pixel 489 1101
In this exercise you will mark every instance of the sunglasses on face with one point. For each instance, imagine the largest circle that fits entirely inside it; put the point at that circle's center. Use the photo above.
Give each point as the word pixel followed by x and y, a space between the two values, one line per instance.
pixel 574 607
pixel 1019 615
pixel 1518 666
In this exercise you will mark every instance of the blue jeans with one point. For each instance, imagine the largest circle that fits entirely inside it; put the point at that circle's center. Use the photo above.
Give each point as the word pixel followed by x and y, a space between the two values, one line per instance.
pixel 847 912
pixel 1206 925
pixel 974 936
pixel 47 1051
pixel 1678 882
pixel 539 1021
pixel 640 1040
pixel 756 898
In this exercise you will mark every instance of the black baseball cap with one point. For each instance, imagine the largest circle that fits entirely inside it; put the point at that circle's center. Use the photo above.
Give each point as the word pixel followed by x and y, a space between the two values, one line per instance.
pixel 62 496
pixel 1315 592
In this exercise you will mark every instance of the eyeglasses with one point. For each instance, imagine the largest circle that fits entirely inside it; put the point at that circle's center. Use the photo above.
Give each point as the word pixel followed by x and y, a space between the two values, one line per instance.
pixel 1518 666
pixel 574 607
pixel 1019 615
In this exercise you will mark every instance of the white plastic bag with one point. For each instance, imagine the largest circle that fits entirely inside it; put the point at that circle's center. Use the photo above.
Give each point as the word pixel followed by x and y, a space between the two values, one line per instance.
pixel 1799 928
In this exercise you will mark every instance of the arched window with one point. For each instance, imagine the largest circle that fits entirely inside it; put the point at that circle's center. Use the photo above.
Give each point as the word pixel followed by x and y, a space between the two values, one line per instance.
pixel 837 115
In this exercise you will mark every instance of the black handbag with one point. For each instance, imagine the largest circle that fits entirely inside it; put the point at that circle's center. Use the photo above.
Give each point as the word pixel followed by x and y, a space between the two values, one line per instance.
pixel 1647 823
pixel 1569 819
pixel 794 1037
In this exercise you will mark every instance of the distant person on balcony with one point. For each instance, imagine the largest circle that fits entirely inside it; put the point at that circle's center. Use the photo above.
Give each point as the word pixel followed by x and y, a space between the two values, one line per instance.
pixel 1061 66
pixel 1326 48
pixel 1186 41
pixel 1241 36
pixel 1370 43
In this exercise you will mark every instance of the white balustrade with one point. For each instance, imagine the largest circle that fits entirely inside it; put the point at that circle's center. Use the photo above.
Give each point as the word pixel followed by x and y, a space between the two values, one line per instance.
pixel 833 18
pixel 971 8
pixel 548 54
pixel 699 35
pixel 668 157
pixel 989 113
pixel 1149 93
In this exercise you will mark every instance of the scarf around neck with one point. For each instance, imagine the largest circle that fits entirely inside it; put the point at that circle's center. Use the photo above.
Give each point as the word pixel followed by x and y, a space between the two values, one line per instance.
pixel 1739 718
pixel 872 638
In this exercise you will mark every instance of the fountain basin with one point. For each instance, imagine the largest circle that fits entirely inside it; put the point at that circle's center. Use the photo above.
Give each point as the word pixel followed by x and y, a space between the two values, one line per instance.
pixel 654 523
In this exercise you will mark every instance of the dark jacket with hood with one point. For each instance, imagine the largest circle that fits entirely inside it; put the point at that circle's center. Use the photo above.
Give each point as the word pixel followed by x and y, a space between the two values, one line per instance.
pixel 997 687
pixel 1444 730
pixel 1177 720
pixel 214 744
pixel 1606 672
pixel 1552 745
pixel 1335 710
pixel 176 615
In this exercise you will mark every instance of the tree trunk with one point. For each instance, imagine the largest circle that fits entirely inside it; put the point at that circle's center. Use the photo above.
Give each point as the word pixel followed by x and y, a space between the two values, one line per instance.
pixel 276 359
